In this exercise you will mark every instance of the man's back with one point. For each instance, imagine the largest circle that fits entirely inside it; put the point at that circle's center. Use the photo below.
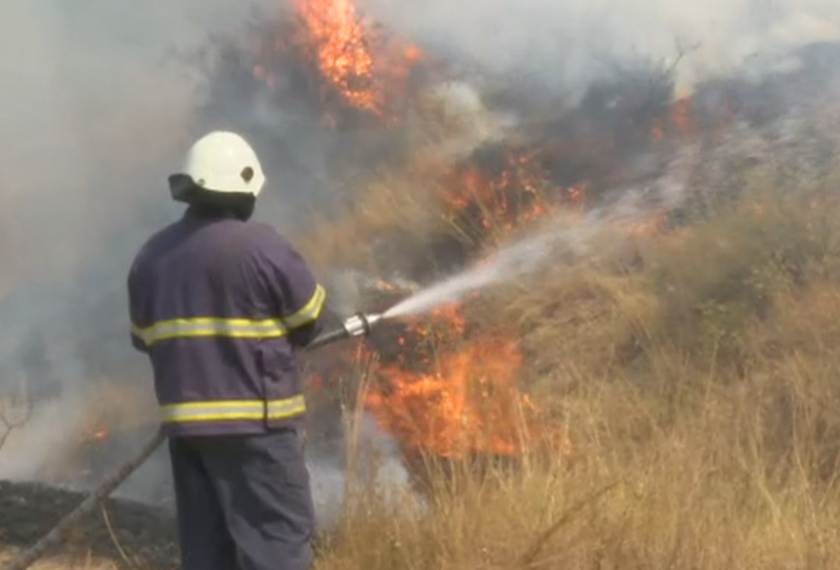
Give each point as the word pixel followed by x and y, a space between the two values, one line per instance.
pixel 213 301
pixel 219 304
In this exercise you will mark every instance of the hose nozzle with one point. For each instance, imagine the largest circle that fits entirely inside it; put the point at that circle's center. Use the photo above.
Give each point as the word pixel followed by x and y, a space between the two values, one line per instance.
pixel 359 324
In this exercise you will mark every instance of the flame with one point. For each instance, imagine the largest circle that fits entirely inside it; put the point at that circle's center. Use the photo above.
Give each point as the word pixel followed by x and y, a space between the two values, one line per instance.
pixel 465 400
pixel 501 198
pixel 339 39
pixel 346 57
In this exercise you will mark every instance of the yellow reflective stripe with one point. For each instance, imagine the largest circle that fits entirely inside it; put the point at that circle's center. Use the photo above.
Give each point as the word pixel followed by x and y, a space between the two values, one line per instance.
pixel 210 326
pixel 310 311
pixel 279 409
pixel 233 410
pixel 235 328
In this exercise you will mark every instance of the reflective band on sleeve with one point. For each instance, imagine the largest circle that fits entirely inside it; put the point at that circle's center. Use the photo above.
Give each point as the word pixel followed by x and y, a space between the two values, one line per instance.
pixel 232 410
pixel 281 409
pixel 310 310
pixel 210 326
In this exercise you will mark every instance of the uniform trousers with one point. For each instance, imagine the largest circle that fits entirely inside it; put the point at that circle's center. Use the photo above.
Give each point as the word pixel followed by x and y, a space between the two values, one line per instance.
pixel 244 502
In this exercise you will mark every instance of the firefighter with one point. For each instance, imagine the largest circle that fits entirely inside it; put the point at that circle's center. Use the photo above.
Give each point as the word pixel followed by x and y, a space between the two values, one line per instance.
pixel 220 305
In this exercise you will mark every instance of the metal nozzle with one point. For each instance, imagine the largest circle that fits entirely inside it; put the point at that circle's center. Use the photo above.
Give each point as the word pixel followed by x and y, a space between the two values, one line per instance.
pixel 359 324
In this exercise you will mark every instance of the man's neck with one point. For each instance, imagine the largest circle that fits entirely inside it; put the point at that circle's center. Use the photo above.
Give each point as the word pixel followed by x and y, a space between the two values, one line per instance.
pixel 214 212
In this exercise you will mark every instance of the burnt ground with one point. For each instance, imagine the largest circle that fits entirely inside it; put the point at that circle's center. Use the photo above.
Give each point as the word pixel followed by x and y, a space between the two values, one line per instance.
pixel 146 535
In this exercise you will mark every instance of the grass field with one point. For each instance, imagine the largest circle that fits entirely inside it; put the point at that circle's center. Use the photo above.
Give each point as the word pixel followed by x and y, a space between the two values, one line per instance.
pixel 695 374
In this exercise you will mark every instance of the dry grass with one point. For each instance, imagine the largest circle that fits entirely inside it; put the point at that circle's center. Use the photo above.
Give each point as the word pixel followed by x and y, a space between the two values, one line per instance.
pixel 696 374
pixel 390 205
pixel 89 562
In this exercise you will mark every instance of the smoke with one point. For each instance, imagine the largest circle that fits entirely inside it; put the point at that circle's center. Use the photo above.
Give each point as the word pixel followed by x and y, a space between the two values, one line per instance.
pixel 100 100
pixel 567 44
pixel 97 108
pixel 92 118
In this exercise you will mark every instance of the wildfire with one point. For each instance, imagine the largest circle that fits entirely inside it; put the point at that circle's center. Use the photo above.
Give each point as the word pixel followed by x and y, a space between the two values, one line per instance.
pixel 500 198
pixel 339 39
pixel 344 56
pixel 448 390
pixel 464 400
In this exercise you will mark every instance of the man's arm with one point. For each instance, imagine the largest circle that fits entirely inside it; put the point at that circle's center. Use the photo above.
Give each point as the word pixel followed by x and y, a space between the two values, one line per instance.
pixel 133 312
pixel 298 295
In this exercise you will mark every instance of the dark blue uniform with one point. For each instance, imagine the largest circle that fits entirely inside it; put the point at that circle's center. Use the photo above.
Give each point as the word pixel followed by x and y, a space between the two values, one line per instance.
pixel 220 307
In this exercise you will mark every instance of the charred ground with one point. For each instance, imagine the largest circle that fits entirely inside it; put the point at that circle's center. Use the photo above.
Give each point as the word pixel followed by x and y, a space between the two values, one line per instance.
pixel 146 536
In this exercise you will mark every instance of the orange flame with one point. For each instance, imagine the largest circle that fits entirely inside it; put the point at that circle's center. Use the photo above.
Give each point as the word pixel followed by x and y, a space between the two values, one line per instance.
pixel 340 44
pixel 466 402
pixel 505 199
pixel 355 63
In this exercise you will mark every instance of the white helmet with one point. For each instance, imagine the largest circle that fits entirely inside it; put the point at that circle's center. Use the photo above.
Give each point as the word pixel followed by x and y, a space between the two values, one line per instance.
pixel 223 162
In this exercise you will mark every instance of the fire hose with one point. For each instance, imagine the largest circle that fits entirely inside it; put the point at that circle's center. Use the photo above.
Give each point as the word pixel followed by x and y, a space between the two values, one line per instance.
pixel 356 326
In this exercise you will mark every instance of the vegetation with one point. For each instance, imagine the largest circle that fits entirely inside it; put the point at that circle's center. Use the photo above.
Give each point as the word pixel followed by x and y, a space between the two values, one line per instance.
pixel 695 373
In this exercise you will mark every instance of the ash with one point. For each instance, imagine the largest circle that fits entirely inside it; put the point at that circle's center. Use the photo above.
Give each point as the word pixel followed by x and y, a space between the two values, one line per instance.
pixel 147 535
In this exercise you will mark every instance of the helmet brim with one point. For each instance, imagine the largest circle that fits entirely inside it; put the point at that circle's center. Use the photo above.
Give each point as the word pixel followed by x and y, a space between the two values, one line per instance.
pixel 184 189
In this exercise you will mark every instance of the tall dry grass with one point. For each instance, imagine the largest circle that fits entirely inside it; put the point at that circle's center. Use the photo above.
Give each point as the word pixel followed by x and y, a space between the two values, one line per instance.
pixel 697 374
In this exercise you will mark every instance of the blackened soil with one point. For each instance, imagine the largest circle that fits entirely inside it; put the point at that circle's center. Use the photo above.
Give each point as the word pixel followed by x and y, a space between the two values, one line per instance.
pixel 146 535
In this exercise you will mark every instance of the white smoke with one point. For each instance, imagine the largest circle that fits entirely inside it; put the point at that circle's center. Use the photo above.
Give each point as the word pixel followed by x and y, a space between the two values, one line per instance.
pixel 569 43
pixel 97 104
pixel 93 117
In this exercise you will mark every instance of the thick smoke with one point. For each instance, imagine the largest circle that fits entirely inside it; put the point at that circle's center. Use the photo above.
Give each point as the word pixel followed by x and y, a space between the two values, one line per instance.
pixel 94 113
pixel 567 44
pixel 99 104
pixel 97 107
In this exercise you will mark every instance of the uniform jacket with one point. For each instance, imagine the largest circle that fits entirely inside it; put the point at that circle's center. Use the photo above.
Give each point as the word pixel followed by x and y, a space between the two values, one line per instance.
pixel 220 307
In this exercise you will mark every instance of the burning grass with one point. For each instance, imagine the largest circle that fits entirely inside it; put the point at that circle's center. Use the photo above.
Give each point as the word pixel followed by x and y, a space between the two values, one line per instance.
pixel 694 374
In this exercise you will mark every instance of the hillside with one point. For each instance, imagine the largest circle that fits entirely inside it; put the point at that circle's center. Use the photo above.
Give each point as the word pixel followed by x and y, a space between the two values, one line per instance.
pixel 650 380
